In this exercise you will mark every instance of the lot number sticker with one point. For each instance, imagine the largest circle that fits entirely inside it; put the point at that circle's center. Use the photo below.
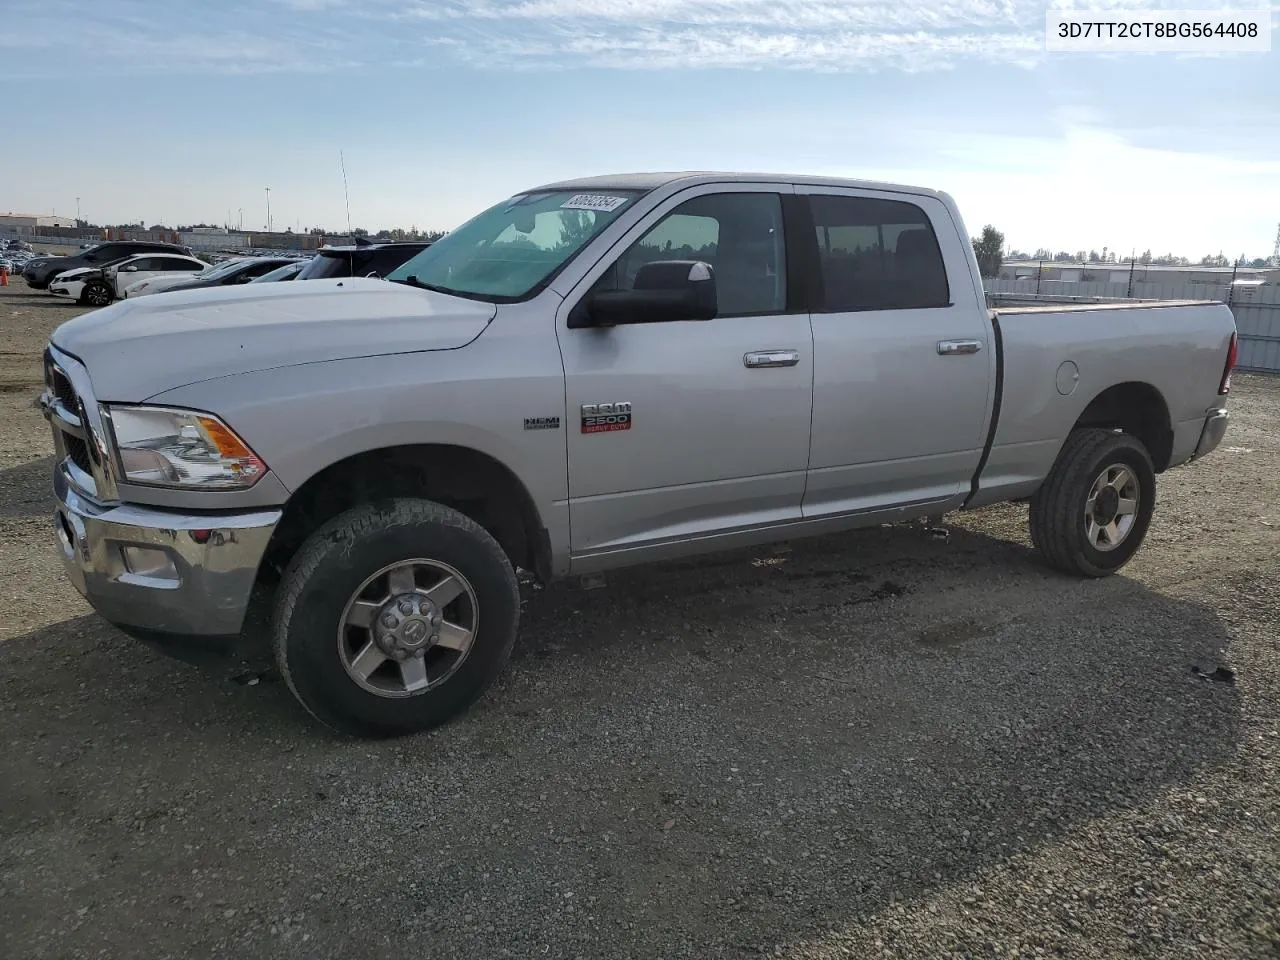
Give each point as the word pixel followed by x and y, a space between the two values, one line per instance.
pixel 593 201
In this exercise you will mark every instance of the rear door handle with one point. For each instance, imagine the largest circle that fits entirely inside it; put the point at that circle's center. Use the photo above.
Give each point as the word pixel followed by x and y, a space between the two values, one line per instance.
pixel 771 358
pixel 955 348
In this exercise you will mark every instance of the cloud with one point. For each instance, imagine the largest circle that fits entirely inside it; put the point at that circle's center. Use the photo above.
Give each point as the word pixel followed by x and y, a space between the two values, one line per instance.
pixel 305 36
pixel 816 35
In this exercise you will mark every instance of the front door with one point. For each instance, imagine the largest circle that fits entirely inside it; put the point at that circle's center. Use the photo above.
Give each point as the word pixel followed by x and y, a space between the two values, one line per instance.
pixel 904 367
pixel 678 431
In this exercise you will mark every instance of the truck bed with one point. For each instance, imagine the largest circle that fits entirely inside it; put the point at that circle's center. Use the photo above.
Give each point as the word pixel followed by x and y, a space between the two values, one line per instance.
pixel 1050 304
pixel 1048 374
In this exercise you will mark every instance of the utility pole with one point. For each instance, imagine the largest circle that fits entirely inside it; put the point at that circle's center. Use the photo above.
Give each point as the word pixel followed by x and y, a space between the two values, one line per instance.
pixel 240 222
pixel 268 209
pixel 77 211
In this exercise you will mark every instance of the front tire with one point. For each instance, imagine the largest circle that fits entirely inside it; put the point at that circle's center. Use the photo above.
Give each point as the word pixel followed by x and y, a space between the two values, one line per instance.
pixel 95 294
pixel 1091 514
pixel 393 618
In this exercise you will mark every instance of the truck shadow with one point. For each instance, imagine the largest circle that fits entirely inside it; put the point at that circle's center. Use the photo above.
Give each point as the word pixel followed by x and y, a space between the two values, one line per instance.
pixel 28 489
pixel 734 753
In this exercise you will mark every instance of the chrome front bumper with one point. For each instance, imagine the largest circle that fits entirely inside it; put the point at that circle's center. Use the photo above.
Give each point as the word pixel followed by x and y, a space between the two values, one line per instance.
pixel 161 571
pixel 1215 428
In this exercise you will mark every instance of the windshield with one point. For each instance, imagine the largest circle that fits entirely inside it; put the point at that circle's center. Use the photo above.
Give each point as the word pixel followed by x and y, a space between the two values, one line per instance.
pixel 221 269
pixel 516 247
pixel 279 273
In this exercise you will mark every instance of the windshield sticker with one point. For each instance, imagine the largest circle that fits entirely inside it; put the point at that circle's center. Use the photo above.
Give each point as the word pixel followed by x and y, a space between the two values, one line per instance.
pixel 593 201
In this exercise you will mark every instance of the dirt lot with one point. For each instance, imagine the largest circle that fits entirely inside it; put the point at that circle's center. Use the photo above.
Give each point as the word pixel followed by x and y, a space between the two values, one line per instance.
pixel 883 744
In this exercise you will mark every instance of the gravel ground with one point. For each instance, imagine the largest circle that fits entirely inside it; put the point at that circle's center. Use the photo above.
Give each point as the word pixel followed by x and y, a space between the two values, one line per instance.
pixel 882 744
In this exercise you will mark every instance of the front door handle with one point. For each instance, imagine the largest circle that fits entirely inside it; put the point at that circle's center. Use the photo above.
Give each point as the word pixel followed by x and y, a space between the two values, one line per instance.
pixel 771 358
pixel 955 348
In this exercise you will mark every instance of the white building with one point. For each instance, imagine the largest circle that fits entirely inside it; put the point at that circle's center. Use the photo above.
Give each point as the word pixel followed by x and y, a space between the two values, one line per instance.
pixel 1141 273
pixel 13 220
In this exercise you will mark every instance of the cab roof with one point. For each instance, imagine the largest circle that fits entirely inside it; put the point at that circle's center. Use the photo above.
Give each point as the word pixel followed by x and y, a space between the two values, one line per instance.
pixel 652 181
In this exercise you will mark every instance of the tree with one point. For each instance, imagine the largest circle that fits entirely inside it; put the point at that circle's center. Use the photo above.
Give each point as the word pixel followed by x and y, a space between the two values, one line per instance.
pixel 1093 256
pixel 1043 253
pixel 576 226
pixel 989 249
pixel 1146 257
pixel 1258 262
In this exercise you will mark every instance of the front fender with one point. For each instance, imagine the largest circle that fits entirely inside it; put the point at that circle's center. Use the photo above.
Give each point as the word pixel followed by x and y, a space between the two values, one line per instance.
pixel 304 418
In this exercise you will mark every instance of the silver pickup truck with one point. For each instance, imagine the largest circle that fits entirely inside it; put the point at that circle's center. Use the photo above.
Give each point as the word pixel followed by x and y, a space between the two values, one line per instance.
pixel 588 375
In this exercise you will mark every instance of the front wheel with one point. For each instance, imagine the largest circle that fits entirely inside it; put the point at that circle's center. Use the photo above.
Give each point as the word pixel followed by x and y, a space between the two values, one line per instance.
pixel 95 294
pixel 1092 512
pixel 392 618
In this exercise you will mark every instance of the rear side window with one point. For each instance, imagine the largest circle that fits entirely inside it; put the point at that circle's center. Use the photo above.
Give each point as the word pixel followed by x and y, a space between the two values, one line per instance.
pixel 384 261
pixel 877 255
pixel 327 265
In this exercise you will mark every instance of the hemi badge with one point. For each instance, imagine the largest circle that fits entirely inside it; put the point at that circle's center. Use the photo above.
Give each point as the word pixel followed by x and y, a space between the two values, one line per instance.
pixel 542 423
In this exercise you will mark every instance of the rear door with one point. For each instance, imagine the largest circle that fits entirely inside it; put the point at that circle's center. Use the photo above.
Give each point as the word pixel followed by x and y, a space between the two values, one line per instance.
pixel 903 364
pixel 707 428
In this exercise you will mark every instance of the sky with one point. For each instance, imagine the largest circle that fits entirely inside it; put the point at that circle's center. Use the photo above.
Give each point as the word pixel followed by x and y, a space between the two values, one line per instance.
pixel 183 111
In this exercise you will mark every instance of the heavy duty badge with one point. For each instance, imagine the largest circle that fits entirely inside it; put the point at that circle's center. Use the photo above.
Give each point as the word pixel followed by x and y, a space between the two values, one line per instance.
pixel 606 417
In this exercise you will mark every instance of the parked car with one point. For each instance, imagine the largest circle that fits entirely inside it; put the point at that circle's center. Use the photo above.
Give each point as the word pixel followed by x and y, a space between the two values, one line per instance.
pixel 289 271
pixel 41 270
pixel 593 374
pixel 228 273
pixel 360 260
pixel 98 286
pixel 152 266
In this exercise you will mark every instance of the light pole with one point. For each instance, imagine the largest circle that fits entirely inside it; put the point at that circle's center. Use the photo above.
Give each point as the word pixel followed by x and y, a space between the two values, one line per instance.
pixel 240 222
pixel 77 211
pixel 268 209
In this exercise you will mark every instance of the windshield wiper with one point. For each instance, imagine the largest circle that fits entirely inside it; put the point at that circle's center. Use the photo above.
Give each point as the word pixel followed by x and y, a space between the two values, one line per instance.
pixel 413 281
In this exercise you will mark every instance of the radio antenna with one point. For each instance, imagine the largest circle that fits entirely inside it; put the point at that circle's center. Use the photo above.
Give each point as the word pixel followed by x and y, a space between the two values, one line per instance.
pixel 345 193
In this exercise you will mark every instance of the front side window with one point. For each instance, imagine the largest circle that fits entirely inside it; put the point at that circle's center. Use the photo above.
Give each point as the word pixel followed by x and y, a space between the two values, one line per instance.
pixel 739 234
pixel 515 248
pixel 145 263
pixel 877 255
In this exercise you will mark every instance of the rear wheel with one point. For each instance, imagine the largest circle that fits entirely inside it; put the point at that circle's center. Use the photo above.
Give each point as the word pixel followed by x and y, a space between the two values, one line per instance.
pixel 393 618
pixel 95 294
pixel 1091 514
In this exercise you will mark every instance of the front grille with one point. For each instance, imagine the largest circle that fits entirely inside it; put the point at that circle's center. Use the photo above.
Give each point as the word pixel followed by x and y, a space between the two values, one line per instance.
pixel 77 444
pixel 64 391
pixel 78 453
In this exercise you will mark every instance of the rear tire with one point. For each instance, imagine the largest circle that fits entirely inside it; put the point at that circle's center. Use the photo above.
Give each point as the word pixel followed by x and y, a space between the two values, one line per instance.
pixel 379 564
pixel 1091 514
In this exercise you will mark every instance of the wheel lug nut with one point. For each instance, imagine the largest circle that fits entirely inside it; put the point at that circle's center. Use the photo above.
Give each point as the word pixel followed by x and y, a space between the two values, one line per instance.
pixel 406 606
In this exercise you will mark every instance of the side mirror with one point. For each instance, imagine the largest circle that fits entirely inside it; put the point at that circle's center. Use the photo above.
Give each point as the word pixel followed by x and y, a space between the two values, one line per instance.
pixel 131 268
pixel 664 291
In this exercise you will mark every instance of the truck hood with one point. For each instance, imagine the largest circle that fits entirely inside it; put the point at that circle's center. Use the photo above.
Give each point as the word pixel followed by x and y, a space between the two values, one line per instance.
pixel 136 348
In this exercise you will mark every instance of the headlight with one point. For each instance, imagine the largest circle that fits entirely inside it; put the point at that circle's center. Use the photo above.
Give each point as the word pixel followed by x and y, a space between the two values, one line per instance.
pixel 181 448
